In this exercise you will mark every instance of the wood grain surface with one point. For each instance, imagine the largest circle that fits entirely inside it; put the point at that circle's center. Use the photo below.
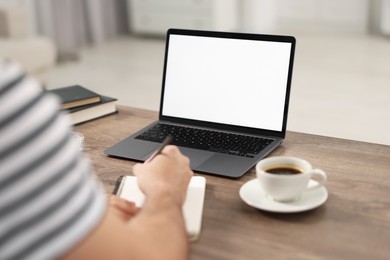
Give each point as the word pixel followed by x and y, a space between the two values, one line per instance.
pixel 354 223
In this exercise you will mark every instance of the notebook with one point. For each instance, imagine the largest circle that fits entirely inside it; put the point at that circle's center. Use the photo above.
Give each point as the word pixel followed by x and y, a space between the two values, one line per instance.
pixel 192 208
pixel 225 90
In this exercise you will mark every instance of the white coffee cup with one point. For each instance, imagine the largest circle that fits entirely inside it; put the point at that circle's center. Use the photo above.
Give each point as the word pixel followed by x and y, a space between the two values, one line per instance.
pixel 285 178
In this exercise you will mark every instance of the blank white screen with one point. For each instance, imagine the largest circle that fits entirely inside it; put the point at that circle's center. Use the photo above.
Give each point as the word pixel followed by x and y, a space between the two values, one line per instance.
pixel 228 81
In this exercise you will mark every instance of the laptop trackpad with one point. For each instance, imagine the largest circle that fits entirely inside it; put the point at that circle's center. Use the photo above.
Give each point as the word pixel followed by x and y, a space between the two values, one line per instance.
pixel 197 157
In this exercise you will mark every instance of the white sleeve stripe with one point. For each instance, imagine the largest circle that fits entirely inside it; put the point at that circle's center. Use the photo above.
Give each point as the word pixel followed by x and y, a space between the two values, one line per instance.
pixel 34 148
pixel 7 86
pixel 64 227
pixel 48 211
pixel 59 245
pixel 32 135
pixel 28 197
pixel 48 198
pixel 41 173
pixel 18 113
pixel 17 176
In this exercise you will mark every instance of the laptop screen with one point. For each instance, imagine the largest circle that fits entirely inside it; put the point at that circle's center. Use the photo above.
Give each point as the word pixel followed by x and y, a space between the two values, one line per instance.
pixel 227 80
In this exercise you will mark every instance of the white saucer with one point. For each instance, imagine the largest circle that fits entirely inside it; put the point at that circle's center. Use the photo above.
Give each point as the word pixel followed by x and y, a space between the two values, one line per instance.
pixel 252 194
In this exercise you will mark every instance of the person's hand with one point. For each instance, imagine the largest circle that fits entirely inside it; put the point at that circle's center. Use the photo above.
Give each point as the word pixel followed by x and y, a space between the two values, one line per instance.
pixel 169 172
pixel 123 208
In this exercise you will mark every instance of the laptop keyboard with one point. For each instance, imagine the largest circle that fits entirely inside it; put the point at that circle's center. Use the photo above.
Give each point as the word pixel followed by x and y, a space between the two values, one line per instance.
pixel 241 145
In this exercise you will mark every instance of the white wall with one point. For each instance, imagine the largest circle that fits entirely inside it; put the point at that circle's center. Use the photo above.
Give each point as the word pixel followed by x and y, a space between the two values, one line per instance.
pixel 306 15
pixel 329 15
pixel 259 16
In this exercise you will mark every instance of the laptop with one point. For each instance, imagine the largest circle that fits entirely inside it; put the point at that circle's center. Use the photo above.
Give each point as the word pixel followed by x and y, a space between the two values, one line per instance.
pixel 224 100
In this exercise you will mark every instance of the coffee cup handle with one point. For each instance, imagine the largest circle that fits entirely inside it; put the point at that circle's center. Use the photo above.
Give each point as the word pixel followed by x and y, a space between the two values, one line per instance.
pixel 321 179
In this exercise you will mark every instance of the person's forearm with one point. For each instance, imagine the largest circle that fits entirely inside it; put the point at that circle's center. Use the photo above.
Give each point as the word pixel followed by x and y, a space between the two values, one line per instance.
pixel 156 232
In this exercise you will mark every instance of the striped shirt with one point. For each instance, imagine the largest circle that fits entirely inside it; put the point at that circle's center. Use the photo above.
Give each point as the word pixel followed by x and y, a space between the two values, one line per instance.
pixel 49 197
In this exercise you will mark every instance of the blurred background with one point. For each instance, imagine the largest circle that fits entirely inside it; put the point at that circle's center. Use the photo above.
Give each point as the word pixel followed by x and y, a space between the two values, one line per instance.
pixel 341 78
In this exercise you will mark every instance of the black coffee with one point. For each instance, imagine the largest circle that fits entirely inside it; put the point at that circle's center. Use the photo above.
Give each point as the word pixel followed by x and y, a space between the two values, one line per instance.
pixel 283 171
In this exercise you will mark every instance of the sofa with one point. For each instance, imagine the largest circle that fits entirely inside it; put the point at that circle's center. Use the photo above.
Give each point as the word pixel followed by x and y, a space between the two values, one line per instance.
pixel 37 54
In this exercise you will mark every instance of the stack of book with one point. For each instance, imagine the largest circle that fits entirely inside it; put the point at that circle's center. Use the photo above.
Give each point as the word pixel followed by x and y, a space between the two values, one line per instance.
pixel 82 104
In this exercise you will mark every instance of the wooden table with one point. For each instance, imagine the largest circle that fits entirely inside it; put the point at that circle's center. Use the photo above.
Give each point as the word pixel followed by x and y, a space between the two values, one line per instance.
pixel 354 223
